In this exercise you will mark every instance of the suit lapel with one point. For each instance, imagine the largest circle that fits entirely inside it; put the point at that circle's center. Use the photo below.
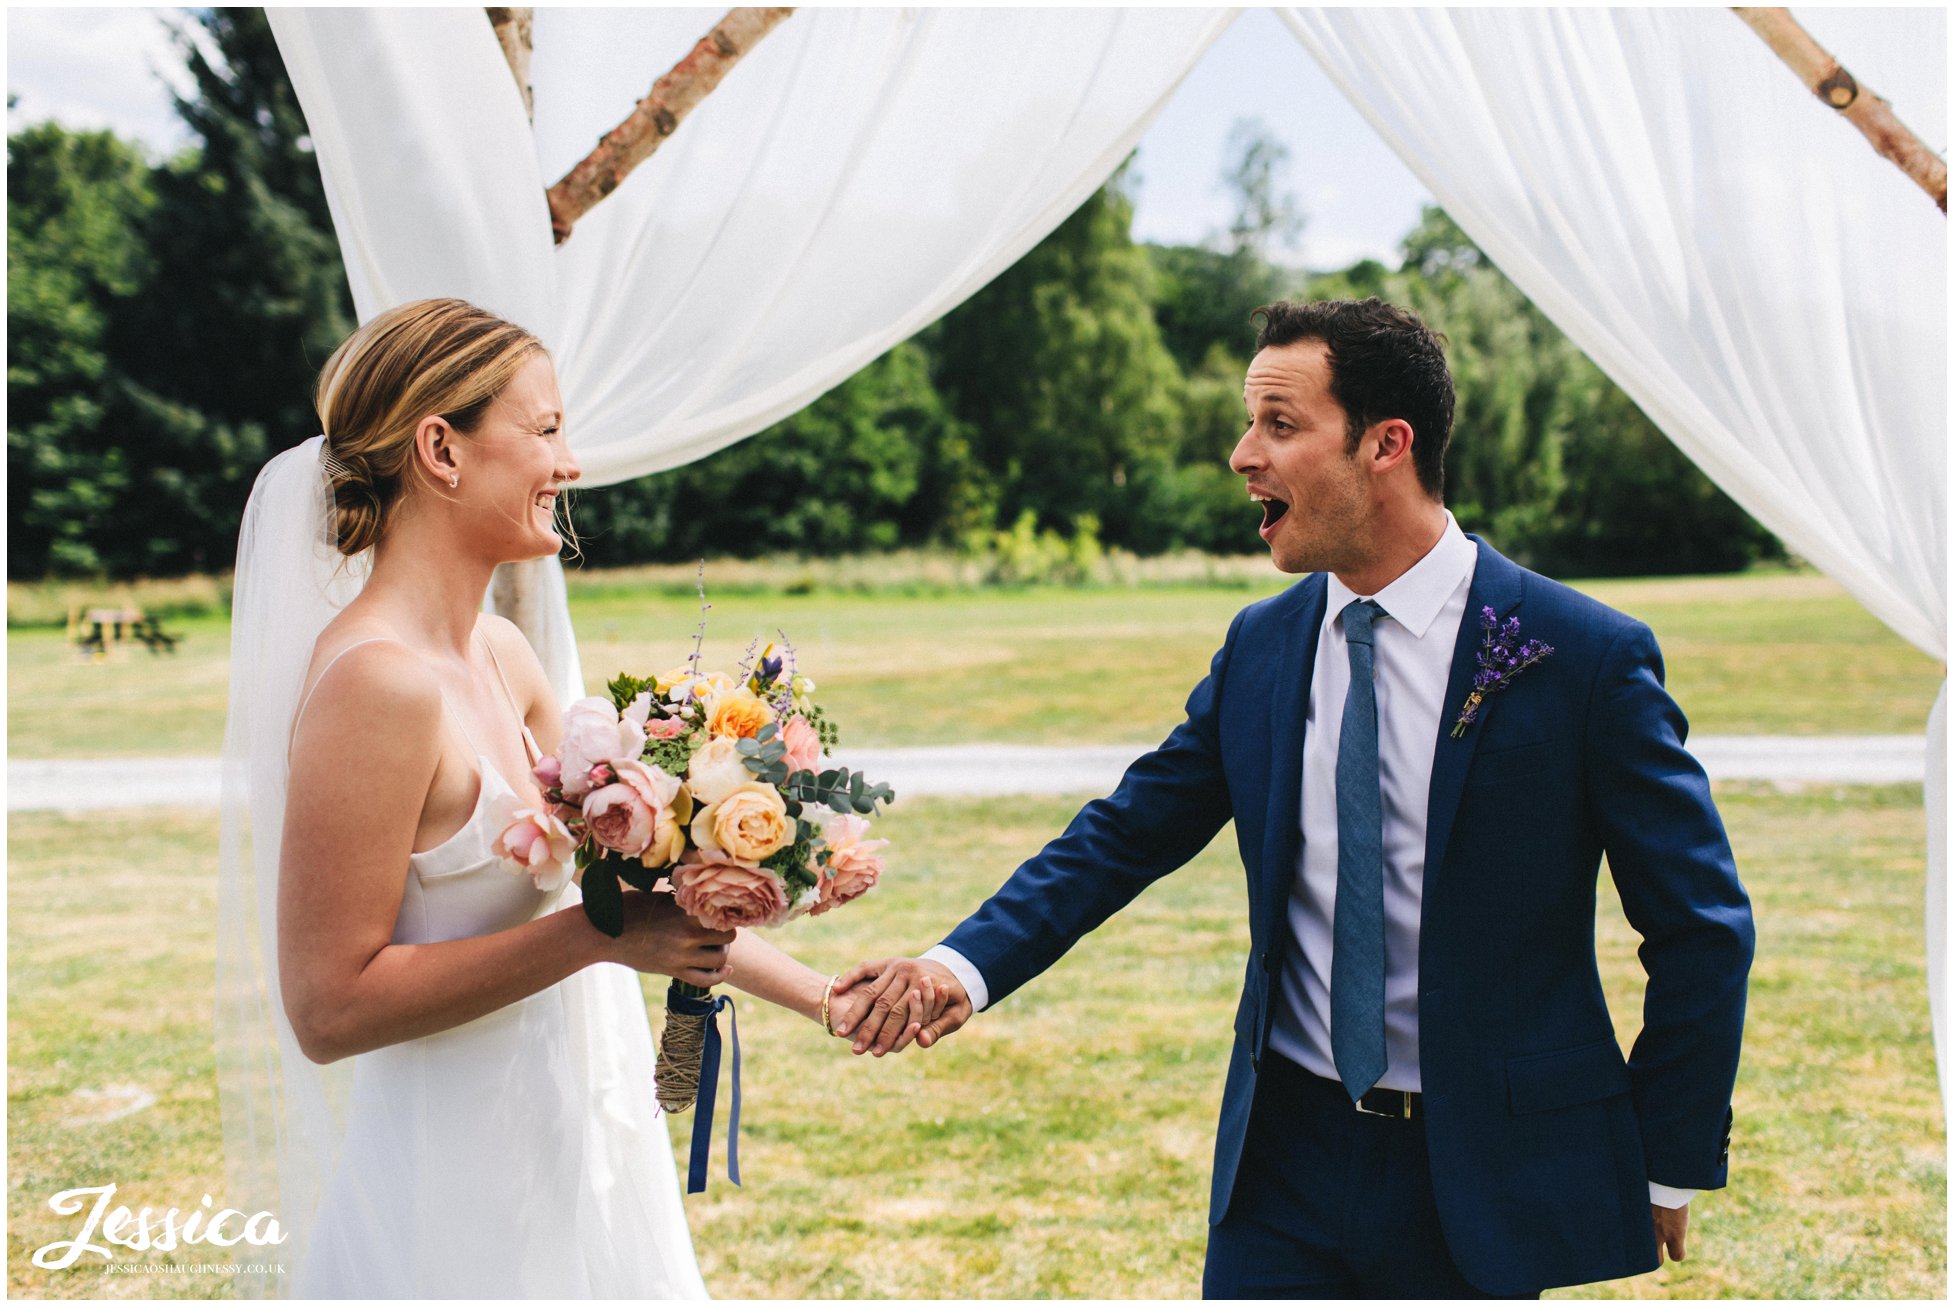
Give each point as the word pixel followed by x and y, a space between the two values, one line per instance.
pixel 1283 834
pixel 1498 585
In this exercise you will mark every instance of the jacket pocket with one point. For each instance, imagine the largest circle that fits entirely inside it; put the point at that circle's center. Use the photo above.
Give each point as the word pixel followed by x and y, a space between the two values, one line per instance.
pixel 1541 1082
pixel 1511 764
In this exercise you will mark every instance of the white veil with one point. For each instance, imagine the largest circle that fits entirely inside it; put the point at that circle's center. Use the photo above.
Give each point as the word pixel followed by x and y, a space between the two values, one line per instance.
pixel 282 1112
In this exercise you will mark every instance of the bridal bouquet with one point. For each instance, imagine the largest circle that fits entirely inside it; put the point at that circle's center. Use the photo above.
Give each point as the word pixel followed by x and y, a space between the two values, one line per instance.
pixel 719 786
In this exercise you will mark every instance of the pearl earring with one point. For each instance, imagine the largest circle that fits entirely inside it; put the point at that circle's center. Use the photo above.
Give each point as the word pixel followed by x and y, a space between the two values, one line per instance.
pixel 455 480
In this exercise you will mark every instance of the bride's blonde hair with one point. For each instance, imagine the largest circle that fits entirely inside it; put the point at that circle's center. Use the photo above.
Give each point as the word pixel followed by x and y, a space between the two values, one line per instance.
pixel 432 356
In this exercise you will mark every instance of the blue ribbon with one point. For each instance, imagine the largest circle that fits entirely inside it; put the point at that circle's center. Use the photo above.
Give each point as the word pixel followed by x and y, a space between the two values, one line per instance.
pixel 709 1008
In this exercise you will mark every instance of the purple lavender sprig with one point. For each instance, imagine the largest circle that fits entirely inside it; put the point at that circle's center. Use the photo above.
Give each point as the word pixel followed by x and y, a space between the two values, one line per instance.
pixel 1501 659
pixel 699 637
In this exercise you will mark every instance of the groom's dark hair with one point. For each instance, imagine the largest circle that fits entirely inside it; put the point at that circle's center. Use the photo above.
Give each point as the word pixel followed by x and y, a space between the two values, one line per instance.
pixel 1384 363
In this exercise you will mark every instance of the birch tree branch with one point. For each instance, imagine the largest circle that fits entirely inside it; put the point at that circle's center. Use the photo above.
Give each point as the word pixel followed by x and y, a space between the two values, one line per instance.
pixel 657 116
pixel 515 29
pixel 1873 116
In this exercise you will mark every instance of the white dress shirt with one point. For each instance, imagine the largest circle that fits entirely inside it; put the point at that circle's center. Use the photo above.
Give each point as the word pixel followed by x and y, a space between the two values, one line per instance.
pixel 1413 647
pixel 1413 642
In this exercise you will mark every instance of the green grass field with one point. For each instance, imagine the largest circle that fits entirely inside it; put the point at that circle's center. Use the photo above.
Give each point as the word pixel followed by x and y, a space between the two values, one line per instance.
pixel 1059 1146
pixel 1760 654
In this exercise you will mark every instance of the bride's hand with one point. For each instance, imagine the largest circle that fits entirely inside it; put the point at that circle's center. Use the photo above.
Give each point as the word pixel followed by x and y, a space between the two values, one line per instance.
pixel 658 937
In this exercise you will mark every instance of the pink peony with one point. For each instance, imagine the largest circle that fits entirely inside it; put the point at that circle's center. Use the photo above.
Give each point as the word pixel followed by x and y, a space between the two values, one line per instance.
pixel 665 728
pixel 722 893
pixel 854 864
pixel 625 814
pixel 593 734
pixel 548 771
pixel 533 841
pixel 803 744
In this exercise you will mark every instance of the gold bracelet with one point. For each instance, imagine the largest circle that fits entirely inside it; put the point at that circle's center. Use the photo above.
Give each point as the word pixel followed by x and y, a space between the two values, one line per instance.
pixel 827 995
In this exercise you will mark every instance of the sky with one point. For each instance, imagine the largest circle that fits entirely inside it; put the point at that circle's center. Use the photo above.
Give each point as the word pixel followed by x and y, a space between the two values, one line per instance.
pixel 108 67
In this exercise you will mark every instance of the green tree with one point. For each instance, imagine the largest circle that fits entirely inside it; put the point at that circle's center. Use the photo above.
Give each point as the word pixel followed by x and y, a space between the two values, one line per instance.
pixel 876 462
pixel 75 204
pixel 1059 370
pixel 1205 294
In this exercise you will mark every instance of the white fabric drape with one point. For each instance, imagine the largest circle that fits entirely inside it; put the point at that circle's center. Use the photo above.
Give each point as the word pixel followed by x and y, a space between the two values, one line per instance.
pixel 856 176
pixel 1770 291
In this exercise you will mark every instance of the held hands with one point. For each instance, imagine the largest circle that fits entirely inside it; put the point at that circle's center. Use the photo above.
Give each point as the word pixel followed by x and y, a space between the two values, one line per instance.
pixel 909 1000
pixel 658 937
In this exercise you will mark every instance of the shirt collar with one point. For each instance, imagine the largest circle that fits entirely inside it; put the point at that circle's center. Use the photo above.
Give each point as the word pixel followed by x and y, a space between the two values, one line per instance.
pixel 1415 598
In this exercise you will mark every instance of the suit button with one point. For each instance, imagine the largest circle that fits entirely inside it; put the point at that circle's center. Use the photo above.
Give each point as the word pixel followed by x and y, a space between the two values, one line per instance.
pixel 1265 960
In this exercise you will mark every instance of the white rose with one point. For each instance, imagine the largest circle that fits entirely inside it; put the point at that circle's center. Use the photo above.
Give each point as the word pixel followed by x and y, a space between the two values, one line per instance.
pixel 594 734
pixel 717 770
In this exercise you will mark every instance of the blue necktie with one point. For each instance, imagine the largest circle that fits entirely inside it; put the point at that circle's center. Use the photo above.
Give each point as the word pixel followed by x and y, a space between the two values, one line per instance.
pixel 1357 957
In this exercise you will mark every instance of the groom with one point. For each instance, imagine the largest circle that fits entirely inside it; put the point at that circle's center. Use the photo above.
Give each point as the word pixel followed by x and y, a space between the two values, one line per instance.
pixel 1425 1097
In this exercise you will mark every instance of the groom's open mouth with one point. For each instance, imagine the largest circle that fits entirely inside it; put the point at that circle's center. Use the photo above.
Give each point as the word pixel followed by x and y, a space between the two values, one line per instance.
pixel 1273 510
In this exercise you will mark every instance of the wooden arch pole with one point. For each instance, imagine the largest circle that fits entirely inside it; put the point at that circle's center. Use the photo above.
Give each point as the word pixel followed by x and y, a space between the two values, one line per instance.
pixel 516 590
pixel 1873 116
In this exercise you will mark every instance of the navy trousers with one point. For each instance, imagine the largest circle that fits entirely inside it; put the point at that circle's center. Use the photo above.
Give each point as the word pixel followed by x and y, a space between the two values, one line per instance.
pixel 1329 1202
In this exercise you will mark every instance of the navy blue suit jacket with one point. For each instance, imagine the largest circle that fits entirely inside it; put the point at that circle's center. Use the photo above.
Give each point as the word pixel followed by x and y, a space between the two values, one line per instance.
pixel 1542 1139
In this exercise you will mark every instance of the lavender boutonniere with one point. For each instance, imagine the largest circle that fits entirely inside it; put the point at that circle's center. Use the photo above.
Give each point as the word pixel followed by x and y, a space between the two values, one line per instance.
pixel 1501 659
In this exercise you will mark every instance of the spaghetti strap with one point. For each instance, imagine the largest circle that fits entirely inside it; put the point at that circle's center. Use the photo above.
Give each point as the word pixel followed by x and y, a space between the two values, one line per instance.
pixel 307 701
pixel 528 740
pixel 447 703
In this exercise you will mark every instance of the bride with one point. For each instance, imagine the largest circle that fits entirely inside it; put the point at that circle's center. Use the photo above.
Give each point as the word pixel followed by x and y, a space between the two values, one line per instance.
pixel 429 1076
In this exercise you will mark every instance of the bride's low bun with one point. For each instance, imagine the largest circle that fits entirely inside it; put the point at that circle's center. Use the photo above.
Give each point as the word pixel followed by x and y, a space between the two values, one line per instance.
pixel 424 358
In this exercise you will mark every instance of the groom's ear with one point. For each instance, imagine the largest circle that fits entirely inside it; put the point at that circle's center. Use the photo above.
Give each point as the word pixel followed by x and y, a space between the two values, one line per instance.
pixel 1388 444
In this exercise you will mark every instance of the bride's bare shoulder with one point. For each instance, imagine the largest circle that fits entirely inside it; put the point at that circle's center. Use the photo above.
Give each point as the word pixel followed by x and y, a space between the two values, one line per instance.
pixel 518 661
pixel 362 668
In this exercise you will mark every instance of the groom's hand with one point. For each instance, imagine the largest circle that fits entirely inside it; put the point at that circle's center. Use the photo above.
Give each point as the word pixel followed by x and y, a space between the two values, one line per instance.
pixel 913 1000
pixel 1671 1228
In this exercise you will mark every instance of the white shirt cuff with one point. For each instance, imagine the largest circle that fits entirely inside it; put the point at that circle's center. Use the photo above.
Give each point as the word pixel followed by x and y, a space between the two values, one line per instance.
pixel 1663 1196
pixel 968 976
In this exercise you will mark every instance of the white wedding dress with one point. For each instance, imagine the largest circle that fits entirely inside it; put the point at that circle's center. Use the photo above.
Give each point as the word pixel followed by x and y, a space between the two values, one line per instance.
pixel 516 1156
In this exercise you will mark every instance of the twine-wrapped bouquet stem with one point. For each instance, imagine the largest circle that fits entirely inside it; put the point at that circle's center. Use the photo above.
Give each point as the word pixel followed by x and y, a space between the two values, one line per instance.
pixel 682 1045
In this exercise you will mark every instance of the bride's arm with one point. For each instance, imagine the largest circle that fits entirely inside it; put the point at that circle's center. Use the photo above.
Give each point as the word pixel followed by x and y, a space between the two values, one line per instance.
pixel 767 973
pixel 361 769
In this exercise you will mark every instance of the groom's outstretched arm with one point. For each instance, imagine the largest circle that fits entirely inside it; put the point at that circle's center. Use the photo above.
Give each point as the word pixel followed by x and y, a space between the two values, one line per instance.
pixel 1167 808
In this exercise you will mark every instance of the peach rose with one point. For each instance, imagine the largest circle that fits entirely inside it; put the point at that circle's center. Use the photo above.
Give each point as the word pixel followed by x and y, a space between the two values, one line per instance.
pixel 722 893
pixel 532 841
pixel 739 713
pixel 854 864
pixel 594 734
pixel 750 823
pixel 716 770
pixel 803 744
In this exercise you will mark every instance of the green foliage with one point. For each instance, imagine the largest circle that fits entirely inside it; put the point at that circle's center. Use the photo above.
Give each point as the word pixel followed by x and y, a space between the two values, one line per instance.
pixel 74 257
pixel 624 687
pixel 876 462
pixel 164 323
pixel 1059 369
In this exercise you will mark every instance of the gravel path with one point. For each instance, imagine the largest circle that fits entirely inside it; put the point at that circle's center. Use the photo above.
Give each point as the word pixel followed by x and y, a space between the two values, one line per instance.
pixel 977 769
